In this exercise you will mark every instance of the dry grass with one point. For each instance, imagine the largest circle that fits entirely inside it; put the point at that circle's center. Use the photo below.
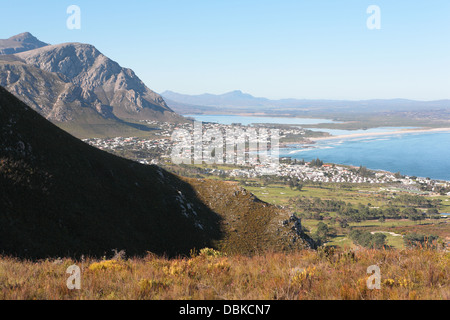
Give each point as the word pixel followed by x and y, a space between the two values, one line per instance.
pixel 307 274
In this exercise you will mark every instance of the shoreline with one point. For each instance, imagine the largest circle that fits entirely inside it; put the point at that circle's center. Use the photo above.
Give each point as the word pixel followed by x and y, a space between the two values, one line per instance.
pixel 374 134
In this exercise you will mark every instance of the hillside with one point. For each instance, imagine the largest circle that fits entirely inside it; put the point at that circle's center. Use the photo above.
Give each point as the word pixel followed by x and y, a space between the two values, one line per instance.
pixel 62 197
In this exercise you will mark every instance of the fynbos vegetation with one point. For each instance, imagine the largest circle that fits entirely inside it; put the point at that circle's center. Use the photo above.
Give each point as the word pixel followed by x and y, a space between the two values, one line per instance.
pixel 305 274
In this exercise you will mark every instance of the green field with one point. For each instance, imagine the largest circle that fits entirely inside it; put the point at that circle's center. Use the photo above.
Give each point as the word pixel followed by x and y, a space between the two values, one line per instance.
pixel 371 195
pixel 280 194
pixel 398 227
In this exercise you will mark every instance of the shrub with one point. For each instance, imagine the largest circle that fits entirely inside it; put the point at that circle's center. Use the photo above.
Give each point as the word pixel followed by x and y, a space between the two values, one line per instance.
pixel 208 252
pixel 368 240
pixel 420 240
pixel 106 265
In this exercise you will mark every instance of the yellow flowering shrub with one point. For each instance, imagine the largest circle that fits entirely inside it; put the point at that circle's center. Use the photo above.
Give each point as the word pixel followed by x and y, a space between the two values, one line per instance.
pixel 221 266
pixel 211 253
pixel 405 283
pixel 106 265
pixel 402 282
pixel 177 267
pixel 389 282
pixel 299 276
pixel 146 285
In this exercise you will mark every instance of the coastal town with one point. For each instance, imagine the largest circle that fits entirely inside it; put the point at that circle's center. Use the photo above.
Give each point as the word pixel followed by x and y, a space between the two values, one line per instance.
pixel 158 150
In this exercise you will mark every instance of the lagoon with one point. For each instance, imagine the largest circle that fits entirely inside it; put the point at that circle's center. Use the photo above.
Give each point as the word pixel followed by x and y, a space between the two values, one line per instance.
pixel 248 120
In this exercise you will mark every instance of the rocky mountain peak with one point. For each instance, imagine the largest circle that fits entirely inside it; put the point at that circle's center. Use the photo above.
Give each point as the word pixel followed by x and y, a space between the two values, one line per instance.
pixel 24 37
pixel 19 43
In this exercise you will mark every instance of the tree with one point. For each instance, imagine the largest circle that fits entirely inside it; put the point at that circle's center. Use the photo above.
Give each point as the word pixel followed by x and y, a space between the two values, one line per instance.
pixel 378 240
pixel 343 223
pixel 316 163
pixel 432 212
pixel 368 240
pixel 420 240
pixel 322 229
pixel 364 172
pixel 317 216
pixel 414 215
pixel 291 184
pixel 266 180
pixel 321 234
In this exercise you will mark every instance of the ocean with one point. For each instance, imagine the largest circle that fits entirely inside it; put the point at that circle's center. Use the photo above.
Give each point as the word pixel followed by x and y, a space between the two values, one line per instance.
pixel 413 154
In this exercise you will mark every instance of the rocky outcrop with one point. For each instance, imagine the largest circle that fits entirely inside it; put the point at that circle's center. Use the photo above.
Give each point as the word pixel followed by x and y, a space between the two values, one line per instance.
pixel 295 223
pixel 51 94
pixel 250 226
pixel 100 77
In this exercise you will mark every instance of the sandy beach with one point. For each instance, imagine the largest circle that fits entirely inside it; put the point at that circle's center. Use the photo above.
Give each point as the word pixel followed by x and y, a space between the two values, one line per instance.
pixel 374 134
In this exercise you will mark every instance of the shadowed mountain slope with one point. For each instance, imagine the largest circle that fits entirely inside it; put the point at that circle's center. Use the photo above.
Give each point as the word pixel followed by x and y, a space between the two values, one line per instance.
pixel 60 196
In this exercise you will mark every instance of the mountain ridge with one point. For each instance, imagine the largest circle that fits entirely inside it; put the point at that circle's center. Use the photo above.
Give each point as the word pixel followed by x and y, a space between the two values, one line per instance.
pixel 75 83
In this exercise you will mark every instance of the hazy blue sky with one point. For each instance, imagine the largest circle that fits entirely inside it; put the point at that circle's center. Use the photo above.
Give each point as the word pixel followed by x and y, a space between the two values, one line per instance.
pixel 277 49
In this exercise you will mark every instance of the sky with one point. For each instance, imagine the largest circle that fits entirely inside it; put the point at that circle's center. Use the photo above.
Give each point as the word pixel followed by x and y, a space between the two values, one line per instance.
pixel 305 49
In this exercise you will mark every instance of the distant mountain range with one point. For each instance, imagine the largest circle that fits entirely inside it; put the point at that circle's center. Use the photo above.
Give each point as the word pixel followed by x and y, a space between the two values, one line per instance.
pixel 74 82
pixel 61 197
pixel 231 99
pixel 238 101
